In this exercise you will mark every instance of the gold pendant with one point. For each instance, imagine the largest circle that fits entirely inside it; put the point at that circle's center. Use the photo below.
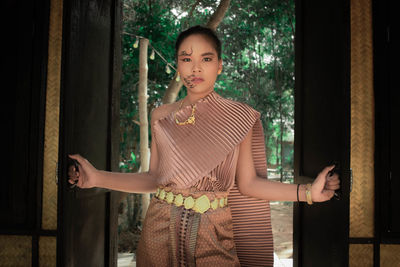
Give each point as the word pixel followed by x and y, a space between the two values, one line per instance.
pixel 190 120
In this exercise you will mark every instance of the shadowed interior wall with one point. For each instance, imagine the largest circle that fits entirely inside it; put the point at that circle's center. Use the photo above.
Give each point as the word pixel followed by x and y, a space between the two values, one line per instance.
pixel 25 79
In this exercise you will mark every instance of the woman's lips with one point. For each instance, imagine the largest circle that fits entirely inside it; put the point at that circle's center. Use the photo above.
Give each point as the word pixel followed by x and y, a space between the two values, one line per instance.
pixel 197 80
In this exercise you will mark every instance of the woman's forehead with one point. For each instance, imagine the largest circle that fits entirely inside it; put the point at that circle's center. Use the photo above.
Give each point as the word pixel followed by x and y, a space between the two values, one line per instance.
pixel 196 44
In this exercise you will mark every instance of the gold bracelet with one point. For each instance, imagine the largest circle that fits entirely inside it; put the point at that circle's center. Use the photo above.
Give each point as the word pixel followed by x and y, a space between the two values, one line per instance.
pixel 308 194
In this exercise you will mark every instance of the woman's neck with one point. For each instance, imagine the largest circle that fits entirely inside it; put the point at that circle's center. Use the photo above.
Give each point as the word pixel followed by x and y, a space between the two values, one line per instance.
pixel 192 98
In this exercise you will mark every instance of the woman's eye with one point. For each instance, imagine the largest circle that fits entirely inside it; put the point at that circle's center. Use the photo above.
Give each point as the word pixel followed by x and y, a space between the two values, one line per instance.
pixel 186 59
pixel 207 59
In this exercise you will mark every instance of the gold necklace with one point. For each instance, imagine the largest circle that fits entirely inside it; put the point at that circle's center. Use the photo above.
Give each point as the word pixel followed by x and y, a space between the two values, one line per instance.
pixel 190 120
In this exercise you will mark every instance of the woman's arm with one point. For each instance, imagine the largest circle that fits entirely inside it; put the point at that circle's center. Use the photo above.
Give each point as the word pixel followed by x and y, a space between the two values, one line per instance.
pixel 88 176
pixel 254 186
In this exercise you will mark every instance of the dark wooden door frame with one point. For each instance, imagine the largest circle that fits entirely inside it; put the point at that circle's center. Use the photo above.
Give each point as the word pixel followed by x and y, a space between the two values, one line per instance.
pixel 112 151
pixel 385 46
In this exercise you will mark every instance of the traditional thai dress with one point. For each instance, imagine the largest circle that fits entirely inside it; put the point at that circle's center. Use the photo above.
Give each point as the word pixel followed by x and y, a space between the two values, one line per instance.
pixel 198 217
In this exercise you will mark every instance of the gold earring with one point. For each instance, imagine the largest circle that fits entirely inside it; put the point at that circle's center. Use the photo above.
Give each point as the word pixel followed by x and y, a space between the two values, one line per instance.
pixel 219 72
pixel 178 77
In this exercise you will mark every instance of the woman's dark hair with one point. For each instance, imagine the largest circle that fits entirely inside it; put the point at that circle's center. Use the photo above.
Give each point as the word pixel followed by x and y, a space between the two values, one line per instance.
pixel 198 29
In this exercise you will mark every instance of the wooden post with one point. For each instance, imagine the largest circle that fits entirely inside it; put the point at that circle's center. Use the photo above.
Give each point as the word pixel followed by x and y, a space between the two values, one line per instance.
pixel 144 124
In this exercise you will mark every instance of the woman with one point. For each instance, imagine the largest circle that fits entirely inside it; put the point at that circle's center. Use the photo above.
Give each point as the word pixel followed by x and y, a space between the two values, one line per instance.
pixel 208 170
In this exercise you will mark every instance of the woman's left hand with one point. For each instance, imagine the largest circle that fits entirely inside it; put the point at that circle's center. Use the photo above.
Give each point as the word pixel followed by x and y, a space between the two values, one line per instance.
pixel 324 186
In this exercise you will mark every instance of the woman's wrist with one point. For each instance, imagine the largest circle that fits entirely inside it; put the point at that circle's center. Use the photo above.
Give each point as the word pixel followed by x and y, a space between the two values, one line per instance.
pixel 301 193
pixel 308 194
pixel 99 178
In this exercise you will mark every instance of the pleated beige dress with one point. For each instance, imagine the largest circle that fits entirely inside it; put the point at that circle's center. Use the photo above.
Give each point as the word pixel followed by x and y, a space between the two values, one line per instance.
pixel 200 159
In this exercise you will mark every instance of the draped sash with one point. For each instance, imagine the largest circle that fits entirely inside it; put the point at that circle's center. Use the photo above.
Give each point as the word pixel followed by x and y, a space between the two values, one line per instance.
pixel 188 153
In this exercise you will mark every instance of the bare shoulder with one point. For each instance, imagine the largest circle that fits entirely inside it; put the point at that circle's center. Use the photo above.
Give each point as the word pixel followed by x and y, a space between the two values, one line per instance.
pixel 162 111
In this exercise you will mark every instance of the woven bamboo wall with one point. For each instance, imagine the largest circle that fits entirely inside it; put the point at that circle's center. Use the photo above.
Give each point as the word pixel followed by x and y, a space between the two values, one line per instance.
pixel 362 121
pixel 390 256
pixel 49 212
pixel 362 133
pixel 361 255
pixel 15 251
pixel 47 251
pixel 48 244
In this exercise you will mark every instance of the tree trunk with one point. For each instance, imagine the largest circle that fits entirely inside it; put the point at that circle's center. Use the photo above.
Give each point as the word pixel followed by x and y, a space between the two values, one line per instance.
pixel 218 15
pixel 174 87
pixel 281 125
pixel 172 91
pixel 144 124
pixel 281 135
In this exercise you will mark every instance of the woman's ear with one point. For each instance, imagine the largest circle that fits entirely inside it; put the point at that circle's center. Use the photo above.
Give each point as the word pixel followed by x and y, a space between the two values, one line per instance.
pixel 219 66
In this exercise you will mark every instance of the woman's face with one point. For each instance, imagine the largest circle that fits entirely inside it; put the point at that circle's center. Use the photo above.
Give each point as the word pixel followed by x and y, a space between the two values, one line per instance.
pixel 198 64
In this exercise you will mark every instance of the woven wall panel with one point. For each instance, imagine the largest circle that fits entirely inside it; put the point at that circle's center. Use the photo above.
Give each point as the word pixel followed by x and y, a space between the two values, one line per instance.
pixel 390 256
pixel 361 255
pixel 15 251
pixel 362 121
pixel 49 212
pixel 47 251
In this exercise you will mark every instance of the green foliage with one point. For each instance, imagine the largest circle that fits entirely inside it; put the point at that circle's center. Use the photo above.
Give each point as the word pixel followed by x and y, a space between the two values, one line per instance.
pixel 258 55
pixel 159 25
pixel 258 39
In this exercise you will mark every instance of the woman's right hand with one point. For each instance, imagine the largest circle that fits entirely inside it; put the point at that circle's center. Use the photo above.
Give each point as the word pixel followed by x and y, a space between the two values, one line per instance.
pixel 85 176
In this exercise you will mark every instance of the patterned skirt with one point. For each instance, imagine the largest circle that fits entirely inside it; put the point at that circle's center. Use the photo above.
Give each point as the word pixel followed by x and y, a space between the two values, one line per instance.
pixel 176 236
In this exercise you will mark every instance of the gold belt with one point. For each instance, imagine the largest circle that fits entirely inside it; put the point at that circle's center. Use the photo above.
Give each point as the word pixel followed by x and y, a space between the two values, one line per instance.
pixel 200 204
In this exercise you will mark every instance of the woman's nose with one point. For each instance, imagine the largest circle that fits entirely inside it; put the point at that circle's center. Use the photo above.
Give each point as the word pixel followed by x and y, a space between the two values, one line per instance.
pixel 196 67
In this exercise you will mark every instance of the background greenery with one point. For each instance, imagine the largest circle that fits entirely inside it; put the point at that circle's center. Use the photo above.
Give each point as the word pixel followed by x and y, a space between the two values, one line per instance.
pixel 258 60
